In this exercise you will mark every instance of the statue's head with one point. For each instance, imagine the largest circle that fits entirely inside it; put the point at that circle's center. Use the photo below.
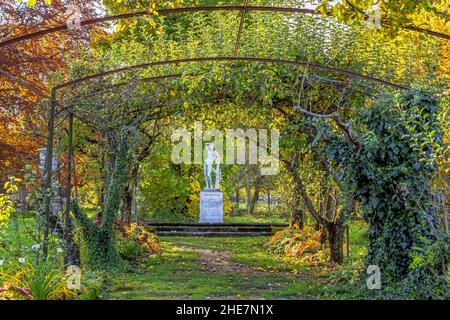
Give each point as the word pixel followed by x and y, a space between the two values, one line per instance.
pixel 210 146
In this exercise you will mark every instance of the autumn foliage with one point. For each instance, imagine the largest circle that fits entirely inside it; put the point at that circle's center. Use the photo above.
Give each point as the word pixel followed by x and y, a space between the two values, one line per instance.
pixel 23 111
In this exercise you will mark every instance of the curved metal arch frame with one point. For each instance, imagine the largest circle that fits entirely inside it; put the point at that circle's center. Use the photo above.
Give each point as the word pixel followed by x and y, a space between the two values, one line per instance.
pixel 63 27
pixel 231 59
pixel 243 9
pixel 179 75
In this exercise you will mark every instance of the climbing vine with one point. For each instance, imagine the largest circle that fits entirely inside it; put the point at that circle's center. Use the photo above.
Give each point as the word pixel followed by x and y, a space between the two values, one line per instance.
pixel 99 242
pixel 389 171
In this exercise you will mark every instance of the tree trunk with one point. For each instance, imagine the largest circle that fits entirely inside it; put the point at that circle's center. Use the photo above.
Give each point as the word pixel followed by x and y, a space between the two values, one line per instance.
pixel 323 235
pixel 236 206
pixel 301 190
pixel 103 185
pixel 127 201
pixel 335 228
pixel 249 196
pixel 128 193
pixel 336 240
pixel 254 199
pixel 297 212
pixel 100 241
pixel 134 194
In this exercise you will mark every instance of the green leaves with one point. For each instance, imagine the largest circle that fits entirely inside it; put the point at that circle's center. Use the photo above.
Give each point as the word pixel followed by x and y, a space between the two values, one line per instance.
pixel 391 176
pixel 6 203
pixel 395 14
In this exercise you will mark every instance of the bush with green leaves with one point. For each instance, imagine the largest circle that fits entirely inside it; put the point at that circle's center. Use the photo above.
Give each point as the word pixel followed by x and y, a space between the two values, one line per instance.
pixel 6 203
pixel 390 174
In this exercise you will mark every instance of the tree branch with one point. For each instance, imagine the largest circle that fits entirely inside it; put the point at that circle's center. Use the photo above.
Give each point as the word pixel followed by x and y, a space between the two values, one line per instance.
pixel 345 127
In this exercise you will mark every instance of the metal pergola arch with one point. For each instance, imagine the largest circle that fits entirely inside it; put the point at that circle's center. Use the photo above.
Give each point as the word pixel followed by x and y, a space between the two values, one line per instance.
pixel 243 9
pixel 53 102
pixel 325 82
pixel 239 8
pixel 218 59
pixel 231 59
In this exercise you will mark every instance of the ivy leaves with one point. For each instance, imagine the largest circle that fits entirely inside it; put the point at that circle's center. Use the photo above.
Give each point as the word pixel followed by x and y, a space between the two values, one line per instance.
pixel 391 175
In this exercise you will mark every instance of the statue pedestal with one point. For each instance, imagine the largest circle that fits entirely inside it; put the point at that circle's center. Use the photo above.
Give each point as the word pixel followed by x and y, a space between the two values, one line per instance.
pixel 211 206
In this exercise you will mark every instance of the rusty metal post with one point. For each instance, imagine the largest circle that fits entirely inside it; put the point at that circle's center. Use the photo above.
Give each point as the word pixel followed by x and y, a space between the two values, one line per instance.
pixel 70 256
pixel 347 231
pixel 48 172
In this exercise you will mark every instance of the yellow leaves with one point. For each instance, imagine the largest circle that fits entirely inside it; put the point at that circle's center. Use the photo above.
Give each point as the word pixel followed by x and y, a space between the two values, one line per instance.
pixel 296 242
pixel 126 24
pixel 120 27
pixel 152 23
pixel 31 3
pixel 152 9
pixel 322 8
pixel 193 205
pixel 311 245
pixel 11 185
pixel 275 237
pixel 147 239
pixel 6 204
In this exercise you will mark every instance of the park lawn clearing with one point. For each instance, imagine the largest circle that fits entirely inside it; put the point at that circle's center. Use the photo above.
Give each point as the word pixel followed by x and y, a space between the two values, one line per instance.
pixel 217 268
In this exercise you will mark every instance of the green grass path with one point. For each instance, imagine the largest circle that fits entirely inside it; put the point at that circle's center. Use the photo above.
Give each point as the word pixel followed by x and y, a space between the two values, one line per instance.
pixel 217 268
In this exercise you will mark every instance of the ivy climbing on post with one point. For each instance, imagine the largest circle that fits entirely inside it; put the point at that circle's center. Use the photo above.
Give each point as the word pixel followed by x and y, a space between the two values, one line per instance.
pixel 99 242
pixel 390 170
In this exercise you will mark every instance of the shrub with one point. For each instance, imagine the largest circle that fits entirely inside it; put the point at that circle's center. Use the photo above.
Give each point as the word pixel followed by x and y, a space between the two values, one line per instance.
pixel 135 244
pixel 92 285
pixel 130 250
pixel 6 204
pixel 295 242
pixel 39 281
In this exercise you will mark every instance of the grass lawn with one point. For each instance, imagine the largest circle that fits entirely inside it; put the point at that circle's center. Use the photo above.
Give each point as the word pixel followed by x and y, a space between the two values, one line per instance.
pixel 214 268
pixel 220 268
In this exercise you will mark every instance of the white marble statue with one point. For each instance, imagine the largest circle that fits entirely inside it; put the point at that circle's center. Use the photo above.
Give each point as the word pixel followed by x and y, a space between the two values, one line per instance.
pixel 212 157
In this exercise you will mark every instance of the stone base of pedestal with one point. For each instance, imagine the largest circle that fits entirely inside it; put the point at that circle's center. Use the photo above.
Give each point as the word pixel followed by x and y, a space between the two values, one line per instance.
pixel 211 206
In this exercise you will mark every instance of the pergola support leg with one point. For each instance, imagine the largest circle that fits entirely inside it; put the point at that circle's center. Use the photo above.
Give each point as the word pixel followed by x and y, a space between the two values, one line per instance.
pixel 48 173
pixel 70 256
